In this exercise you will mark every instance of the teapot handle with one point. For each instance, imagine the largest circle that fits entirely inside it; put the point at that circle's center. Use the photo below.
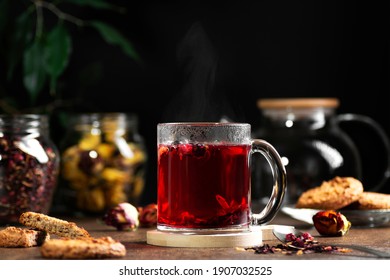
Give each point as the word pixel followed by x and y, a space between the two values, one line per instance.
pixel 383 136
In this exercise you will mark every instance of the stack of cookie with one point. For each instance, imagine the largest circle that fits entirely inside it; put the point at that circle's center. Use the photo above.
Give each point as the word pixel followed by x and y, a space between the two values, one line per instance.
pixel 74 242
pixel 342 193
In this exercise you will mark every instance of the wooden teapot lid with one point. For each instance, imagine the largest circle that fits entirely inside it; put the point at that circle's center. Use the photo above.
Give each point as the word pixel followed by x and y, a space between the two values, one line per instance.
pixel 280 103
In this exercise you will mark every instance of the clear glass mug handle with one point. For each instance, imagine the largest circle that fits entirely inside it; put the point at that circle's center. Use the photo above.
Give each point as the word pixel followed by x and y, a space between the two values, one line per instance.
pixel 383 136
pixel 279 182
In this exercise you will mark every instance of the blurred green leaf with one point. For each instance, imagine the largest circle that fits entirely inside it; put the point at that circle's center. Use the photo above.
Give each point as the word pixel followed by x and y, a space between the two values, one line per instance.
pixel 114 37
pixel 58 48
pixel 47 56
pixel 34 75
pixel 97 4
pixel 20 36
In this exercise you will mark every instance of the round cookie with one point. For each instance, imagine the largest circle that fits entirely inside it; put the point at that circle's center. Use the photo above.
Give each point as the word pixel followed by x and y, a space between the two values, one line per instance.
pixel 373 200
pixel 331 195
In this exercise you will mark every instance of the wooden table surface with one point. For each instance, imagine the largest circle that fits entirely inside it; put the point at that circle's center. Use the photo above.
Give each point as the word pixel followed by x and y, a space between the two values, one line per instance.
pixel 137 248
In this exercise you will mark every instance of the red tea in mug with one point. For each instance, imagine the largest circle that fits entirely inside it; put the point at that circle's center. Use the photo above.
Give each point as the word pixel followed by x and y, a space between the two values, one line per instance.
pixel 203 185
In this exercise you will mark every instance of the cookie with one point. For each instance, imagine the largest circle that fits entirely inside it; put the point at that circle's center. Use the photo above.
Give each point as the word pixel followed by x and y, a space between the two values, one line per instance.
pixel 373 200
pixel 82 248
pixel 331 195
pixel 52 225
pixel 21 237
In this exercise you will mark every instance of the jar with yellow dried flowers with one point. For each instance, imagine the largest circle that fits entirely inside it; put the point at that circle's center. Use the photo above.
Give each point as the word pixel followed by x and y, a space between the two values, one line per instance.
pixel 103 161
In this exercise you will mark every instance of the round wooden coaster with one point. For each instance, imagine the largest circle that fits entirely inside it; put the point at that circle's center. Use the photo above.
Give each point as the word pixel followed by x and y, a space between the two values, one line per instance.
pixel 179 239
pixel 255 237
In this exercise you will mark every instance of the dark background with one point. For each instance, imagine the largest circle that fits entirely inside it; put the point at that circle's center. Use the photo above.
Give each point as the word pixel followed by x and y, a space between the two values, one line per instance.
pixel 205 59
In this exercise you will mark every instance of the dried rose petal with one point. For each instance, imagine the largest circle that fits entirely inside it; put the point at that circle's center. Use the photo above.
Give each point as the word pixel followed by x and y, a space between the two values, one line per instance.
pixel 331 223
pixel 302 244
pixel 299 241
pixel 124 216
pixel 148 215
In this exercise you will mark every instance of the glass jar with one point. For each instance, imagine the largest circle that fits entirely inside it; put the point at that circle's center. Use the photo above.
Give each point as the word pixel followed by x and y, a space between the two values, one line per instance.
pixel 29 166
pixel 307 134
pixel 103 162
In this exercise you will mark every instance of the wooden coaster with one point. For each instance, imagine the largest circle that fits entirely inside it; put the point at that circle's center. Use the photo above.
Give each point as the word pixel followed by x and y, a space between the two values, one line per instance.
pixel 179 239
pixel 255 237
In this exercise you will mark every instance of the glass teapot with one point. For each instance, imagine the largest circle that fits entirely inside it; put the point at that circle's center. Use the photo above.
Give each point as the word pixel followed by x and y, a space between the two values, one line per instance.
pixel 307 134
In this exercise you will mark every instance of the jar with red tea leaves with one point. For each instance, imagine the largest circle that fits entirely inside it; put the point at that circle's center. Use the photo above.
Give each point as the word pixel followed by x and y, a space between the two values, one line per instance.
pixel 29 166
pixel 103 161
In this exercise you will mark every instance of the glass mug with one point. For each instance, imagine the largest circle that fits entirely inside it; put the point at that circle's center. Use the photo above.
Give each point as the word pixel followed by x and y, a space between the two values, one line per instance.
pixel 204 177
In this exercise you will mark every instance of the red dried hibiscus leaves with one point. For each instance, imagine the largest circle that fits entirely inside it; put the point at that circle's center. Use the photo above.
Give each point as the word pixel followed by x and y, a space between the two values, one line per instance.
pixel 303 244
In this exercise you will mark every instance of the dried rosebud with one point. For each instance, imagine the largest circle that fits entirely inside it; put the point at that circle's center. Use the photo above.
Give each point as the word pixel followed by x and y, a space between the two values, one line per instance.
pixel 331 223
pixel 90 162
pixel 148 215
pixel 124 216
